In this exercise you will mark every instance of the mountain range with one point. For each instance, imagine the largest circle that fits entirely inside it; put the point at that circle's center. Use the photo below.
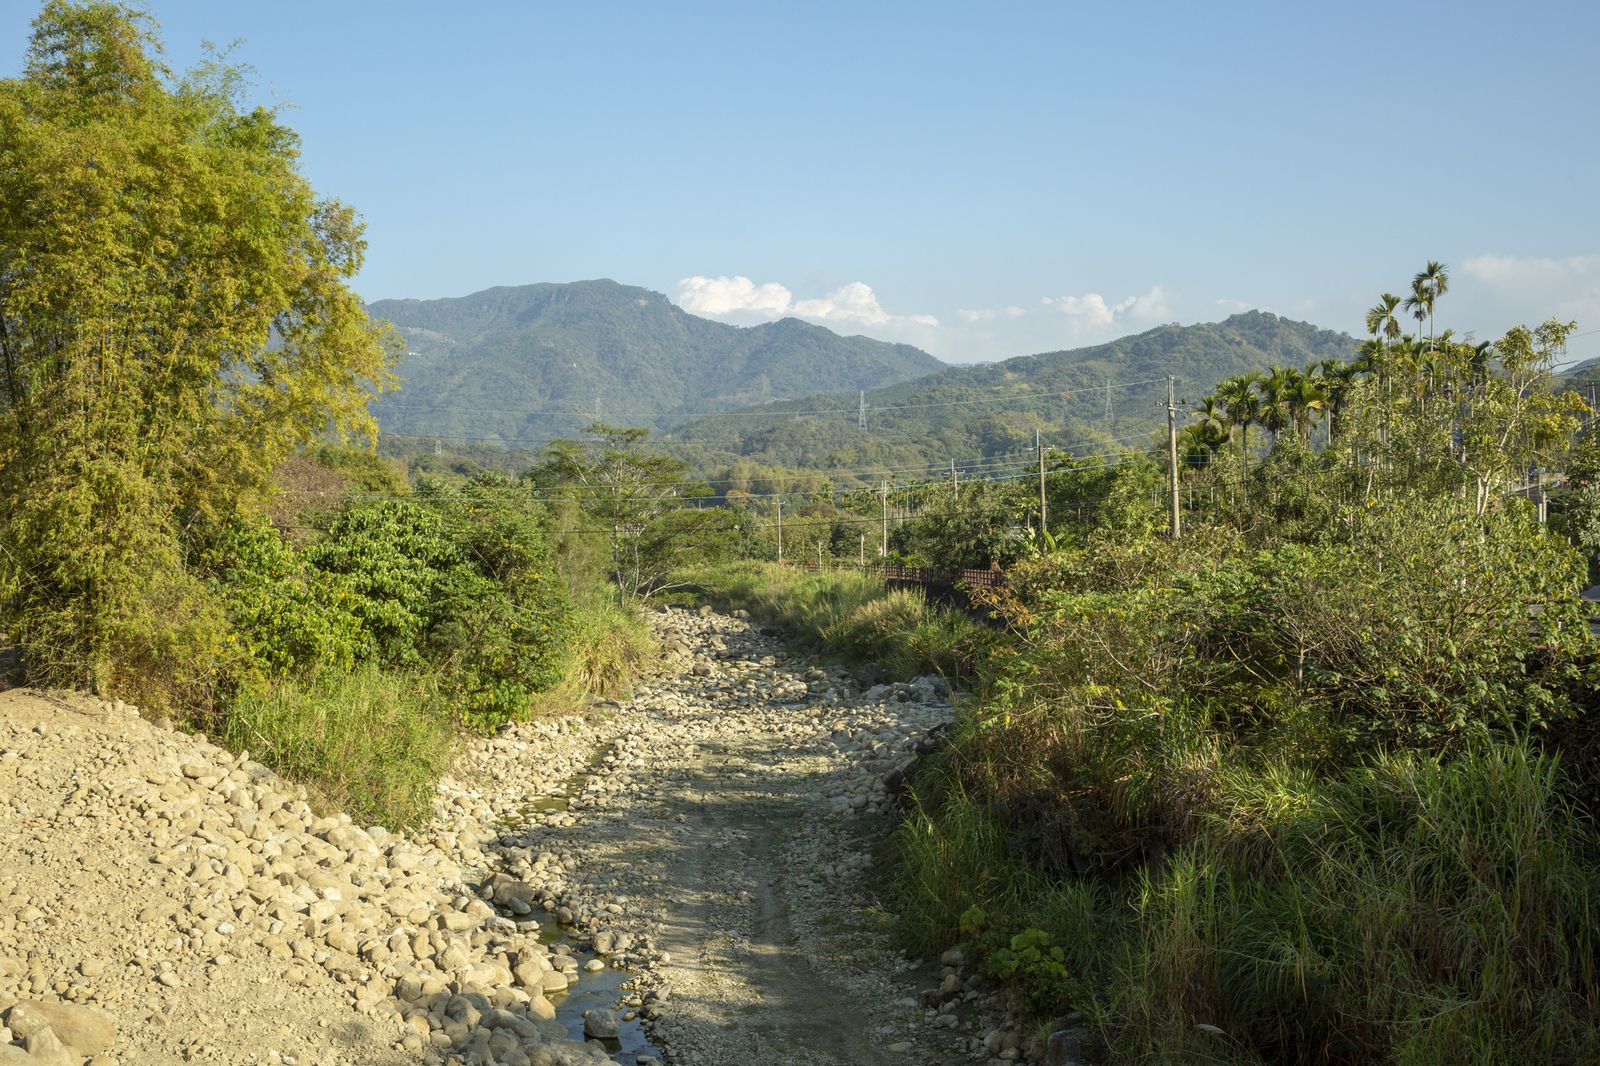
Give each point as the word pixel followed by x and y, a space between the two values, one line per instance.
pixel 514 367
pixel 1103 399
pixel 519 365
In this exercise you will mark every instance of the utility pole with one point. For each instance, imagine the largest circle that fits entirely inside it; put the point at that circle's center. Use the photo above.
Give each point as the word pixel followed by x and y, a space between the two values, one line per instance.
pixel 955 483
pixel 1044 513
pixel 884 551
pixel 861 411
pixel 1172 458
pixel 780 529
pixel 1111 425
pixel 819 556
pixel 861 559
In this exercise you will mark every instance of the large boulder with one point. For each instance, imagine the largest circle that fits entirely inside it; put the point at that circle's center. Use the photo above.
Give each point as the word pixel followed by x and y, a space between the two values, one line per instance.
pixel 602 1025
pixel 83 1029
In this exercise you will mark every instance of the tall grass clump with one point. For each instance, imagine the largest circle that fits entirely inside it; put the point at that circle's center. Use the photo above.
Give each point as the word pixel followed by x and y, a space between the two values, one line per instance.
pixel 608 647
pixel 368 742
pixel 1446 911
pixel 955 857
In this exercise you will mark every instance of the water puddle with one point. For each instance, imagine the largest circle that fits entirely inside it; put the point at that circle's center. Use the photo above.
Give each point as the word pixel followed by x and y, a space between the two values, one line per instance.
pixel 602 989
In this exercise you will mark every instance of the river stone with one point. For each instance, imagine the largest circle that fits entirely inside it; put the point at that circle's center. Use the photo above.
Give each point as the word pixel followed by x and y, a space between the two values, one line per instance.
pixel 46 1049
pixel 1064 1048
pixel 602 1025
pixel 540 1008
pixel 83 1029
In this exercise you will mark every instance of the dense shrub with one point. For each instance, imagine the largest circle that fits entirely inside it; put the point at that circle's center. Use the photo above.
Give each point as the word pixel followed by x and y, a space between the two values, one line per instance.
pixel 1425 626
pixel 290 617
pixel 500 623
pixel 394 556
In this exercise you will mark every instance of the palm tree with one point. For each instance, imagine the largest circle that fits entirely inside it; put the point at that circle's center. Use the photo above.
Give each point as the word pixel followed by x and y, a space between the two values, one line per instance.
pixel 1437 277
pixel 1214 422
pixel 1308 395
pixel 1432 282
pixel 1478 362
pixel 1337 378
pixel 1276 389
pixel 1384 325
pixel 1420 302
pixel 1243 405
pixel 1197 445
pixel 1369 355
pixel 1381 320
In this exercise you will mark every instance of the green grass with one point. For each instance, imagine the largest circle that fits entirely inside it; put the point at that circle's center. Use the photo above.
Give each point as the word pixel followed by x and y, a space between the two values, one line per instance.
pixel 1413 910
pixel 608 647
pixel 370 743
pixel 852 616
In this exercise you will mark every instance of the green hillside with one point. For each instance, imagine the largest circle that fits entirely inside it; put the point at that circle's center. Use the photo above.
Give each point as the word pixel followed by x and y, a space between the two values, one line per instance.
pixel 518 365
pixel 981 414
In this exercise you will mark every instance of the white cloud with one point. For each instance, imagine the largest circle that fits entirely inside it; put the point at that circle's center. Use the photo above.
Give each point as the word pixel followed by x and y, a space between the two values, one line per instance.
pixel 1524 272
pixel 1091 308
pixel 1498 290
pixel 1149 307
pixel 984 314
pixel 737 296
pixel 741 299
pixel 856 302
pixel 1235 305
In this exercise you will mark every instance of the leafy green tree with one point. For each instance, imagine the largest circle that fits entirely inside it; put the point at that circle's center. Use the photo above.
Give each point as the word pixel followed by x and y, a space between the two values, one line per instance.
pixel 174 320
pixel 625 491
pixel 292 618
pixel 1515 422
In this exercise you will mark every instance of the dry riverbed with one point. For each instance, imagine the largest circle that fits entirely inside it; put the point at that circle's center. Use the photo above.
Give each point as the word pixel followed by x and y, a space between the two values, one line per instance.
pixel 687 876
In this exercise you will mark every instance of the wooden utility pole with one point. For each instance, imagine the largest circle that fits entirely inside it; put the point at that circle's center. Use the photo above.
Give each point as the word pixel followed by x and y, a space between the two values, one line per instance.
pixel 1044 512
pixel 1172 458
pixel 884 551
pixel 780 529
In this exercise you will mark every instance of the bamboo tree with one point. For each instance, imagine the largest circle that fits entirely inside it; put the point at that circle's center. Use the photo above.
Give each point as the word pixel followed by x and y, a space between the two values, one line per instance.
pixel 174 319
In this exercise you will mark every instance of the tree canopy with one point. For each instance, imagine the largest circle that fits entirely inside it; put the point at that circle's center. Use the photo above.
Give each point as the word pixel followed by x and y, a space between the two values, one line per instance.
pixel 174 320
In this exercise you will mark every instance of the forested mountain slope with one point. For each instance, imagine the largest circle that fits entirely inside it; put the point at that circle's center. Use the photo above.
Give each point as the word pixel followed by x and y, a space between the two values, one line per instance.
pixel 525 363
pixel 973 413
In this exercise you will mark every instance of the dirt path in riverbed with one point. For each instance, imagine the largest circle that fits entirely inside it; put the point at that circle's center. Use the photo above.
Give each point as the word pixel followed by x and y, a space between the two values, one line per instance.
pixel 164 901
pixel 728 834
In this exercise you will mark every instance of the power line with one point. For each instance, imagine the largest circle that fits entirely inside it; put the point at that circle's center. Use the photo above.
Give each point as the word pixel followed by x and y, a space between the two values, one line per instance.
pixel 1030 396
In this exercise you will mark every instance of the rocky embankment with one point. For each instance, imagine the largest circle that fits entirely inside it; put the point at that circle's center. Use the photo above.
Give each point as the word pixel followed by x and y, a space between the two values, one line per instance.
pixel 686 876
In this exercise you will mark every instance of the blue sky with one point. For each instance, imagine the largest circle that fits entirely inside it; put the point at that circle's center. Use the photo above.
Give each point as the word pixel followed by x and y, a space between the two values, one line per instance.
pixel 981 180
